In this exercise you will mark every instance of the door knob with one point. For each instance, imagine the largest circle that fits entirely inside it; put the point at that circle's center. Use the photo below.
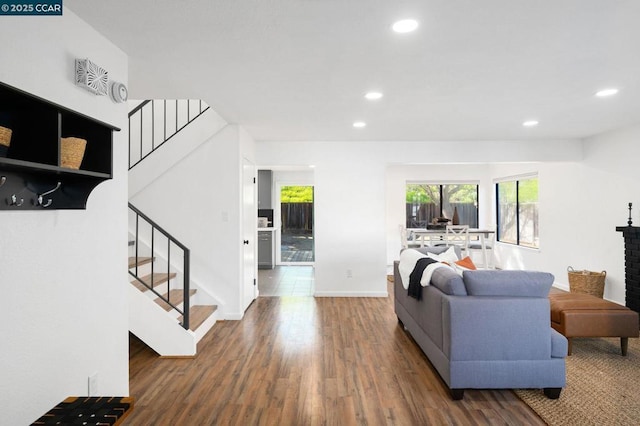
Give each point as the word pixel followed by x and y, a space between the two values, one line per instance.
pixel 246 241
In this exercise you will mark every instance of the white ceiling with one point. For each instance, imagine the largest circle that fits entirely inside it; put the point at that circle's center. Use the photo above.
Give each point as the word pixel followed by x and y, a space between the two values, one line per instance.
pixel 298 69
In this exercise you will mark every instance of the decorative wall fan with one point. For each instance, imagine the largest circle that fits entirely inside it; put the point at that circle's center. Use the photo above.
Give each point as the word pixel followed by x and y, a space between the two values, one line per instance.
pixel 91 76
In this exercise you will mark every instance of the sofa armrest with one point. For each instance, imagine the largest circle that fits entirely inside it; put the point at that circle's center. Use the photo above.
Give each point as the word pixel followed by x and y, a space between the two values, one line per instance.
pixel 496 328
pixel 448 281
pixel 559 345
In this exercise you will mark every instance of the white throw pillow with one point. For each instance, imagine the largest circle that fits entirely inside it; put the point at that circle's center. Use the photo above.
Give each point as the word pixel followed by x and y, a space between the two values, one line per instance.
pixel 448 256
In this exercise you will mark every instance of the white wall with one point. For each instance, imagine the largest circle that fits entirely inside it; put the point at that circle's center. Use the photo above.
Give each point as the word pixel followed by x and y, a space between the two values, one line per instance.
pixel 180 145
pixel 351 186
pixel 63 273
pixel 581 203
pixel 611 164
pixel 291 177
pixel 346 225
pixel 199 201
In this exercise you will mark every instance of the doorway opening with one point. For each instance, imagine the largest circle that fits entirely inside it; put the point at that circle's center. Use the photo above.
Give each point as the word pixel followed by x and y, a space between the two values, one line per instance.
pixel 287 281
pixel 297 246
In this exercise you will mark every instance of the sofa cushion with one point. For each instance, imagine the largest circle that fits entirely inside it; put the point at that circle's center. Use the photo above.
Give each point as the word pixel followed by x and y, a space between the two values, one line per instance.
pixel 507 283
pixel 448 281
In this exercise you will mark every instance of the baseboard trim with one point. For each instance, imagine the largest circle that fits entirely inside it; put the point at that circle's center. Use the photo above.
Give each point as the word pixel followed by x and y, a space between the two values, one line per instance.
pixel 351 294
pixel 178 356
pixel 564 287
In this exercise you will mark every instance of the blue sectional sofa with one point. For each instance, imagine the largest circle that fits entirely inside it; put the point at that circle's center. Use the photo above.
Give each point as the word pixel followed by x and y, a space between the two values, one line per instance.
pixel 486 330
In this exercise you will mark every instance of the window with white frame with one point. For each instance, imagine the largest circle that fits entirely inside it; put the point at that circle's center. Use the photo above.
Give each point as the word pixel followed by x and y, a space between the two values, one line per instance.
pixel 517 211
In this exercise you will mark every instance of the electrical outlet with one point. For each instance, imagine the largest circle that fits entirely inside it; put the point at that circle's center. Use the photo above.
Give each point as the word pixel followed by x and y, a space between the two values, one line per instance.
pixel 349 273
pixel 93 384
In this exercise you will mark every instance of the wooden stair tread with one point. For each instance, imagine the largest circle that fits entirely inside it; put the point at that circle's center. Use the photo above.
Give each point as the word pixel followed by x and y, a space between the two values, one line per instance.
pixel 158 278
pixel 198 314
pixel 139 285
pixel 175 296
pixel 141 261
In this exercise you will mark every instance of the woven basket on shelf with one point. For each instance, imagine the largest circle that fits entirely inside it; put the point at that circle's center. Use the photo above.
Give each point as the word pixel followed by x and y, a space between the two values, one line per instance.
pixel 587 282
pixel 5 140
pixel 72 152
pixel 5 136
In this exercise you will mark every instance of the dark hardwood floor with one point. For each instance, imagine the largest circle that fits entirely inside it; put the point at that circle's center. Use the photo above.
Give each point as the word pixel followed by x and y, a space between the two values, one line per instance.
pixel 307 361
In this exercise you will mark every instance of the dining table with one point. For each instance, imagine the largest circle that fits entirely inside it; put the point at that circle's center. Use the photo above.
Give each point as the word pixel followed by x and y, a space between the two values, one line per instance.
pixel 425 236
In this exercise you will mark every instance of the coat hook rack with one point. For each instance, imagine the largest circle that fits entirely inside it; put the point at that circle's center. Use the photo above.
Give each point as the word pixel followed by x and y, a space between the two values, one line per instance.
pixel 14 201
pixel 40 199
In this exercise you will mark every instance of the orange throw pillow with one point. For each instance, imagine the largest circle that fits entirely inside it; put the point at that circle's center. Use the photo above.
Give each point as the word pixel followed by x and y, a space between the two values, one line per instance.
pixel 466 263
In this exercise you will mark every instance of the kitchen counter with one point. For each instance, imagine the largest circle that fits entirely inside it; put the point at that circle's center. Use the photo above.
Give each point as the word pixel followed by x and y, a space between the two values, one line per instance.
pixel 271 229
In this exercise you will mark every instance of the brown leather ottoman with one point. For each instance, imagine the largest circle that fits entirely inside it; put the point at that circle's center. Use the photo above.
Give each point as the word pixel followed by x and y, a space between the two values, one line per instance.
pixel 583 315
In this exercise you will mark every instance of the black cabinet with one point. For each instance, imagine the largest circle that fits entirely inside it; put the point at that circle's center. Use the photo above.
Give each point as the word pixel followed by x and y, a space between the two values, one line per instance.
pixel 31 175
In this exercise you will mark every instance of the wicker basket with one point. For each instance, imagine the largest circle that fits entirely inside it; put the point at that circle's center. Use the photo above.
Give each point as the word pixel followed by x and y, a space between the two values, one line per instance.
pixel 5 140
pixel 72 152
pixel 587 282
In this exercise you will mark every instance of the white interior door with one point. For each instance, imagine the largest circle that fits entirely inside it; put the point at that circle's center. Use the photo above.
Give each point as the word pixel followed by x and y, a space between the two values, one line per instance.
pixel 249 226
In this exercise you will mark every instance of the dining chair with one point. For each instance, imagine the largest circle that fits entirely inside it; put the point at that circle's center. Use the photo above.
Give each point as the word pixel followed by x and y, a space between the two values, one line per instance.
pixel 486 250
pixel 404 239
pixel 458 235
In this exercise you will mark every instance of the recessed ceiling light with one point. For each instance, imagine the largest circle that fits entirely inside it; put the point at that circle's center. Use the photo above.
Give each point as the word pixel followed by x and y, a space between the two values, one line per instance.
pixel 405 26
pixel 606 92
pixel 359 124
pixel 373 95
pixel 530 123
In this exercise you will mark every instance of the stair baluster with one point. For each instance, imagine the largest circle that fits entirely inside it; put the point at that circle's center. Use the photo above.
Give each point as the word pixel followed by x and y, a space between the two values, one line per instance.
pixel 147 143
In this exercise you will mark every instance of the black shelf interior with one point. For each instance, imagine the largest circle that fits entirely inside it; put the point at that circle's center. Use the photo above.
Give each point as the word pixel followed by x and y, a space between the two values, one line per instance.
pixel 34 126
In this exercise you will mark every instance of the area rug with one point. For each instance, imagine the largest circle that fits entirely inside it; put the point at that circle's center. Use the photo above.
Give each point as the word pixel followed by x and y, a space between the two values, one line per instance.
pixel 603 387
